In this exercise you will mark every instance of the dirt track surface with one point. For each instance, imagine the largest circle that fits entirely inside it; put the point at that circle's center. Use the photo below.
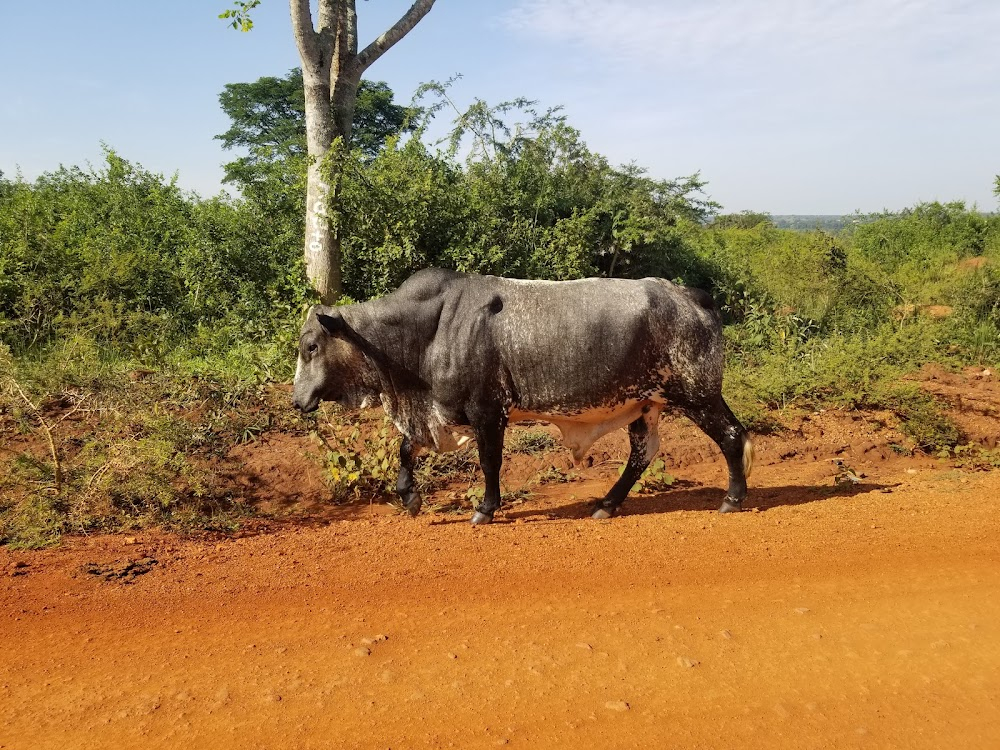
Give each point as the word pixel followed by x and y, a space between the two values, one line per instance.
pixel 853 616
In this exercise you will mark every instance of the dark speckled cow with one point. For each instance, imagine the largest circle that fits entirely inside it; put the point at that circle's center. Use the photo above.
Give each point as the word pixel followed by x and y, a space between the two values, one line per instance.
pixel 454 356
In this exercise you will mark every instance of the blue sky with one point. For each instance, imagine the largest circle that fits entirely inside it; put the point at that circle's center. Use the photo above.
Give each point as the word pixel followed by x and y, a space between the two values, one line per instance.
pixel 785 106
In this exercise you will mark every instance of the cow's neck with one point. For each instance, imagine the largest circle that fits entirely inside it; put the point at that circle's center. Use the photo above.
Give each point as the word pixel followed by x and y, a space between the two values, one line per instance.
pixel 387 342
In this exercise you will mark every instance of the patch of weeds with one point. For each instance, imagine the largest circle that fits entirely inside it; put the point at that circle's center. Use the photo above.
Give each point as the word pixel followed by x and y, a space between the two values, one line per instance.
pixel 361 461
pixel 762 422
pixel 531 441
pixel 131 453
pixel 438 470
pixel 921 417
pixel 554 475
pixel 475 494
pixel 972 456
pixel 654 479
pixel 32 522
pixel 249 432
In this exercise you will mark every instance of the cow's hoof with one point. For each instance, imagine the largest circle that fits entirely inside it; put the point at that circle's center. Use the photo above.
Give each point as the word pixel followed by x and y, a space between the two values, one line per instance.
pixel 478 519
pixel 730 506
pixel 601 514
pixel 411 501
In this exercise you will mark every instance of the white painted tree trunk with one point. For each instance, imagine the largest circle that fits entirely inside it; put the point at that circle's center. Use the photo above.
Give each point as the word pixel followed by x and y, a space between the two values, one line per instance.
pixel 322 246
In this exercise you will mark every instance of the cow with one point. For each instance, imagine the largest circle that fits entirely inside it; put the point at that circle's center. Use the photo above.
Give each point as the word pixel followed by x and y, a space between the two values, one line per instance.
pixel 454 356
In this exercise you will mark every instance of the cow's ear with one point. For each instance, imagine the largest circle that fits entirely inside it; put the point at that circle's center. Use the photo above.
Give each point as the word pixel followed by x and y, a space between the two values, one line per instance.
pixel 332 324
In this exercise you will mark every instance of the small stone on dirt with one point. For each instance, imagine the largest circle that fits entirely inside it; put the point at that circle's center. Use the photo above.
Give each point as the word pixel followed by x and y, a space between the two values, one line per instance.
pixel 726 634
pixel 585 646
pixel 617 705
pixel 362 651
pixel 20 568
pixel 452 655
pixel 801 610
pixel 687 662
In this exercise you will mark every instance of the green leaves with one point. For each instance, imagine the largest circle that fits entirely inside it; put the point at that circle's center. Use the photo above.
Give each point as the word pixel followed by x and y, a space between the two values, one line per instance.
pixel 121 257
pixel 239 16
pixel 268 120
pixel 654 479
pixel 512 191
pixel 359 464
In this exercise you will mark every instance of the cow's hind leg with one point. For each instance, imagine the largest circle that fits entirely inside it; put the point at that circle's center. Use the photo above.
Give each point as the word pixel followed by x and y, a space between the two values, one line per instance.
pixel 644 441
pixel 489 438
pixel 405 486
pixel 720 424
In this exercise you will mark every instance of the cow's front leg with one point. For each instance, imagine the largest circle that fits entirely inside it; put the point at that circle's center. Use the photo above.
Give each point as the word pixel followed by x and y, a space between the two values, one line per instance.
pixel 404 484
pixel 644 441
pixel 489 437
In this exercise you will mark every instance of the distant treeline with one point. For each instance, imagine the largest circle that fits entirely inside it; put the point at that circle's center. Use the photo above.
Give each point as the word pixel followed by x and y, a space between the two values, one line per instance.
pixel 805 222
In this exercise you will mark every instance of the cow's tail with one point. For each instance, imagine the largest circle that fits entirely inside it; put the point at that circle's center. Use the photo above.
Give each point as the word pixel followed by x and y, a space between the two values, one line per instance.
pixel 747 455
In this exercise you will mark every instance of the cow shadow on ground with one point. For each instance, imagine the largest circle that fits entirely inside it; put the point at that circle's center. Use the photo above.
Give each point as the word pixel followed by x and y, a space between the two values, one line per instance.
pixel 691 496
pixel 682 496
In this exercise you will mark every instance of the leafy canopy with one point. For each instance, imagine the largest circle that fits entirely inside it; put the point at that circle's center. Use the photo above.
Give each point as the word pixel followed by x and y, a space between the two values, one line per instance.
pixel 268 121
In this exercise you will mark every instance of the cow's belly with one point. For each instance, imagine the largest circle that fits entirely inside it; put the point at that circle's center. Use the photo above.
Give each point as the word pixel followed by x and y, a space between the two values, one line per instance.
pixel 581 430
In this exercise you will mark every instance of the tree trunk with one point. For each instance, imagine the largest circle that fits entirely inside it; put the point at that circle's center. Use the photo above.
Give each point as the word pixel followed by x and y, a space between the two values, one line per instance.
pixel 331 72
pixel 322 250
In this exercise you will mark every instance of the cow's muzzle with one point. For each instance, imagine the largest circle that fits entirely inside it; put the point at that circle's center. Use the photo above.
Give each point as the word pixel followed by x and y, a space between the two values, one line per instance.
pixel 305 406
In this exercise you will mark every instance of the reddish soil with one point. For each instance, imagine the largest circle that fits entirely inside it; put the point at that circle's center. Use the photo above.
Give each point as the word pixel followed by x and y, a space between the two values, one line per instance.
pixel 829 616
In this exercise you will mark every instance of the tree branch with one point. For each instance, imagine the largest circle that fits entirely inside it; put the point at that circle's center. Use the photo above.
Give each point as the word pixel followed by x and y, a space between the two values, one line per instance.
pixel 346 44
pixel 56 465
pixel 401 28
pixel 306 38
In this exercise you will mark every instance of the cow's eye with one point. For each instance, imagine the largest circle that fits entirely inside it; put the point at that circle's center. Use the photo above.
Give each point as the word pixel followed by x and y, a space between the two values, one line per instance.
pixel 312 348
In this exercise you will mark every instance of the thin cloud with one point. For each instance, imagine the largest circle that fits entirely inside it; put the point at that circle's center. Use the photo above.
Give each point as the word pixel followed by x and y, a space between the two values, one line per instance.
pixel 777 36
pixel 765 96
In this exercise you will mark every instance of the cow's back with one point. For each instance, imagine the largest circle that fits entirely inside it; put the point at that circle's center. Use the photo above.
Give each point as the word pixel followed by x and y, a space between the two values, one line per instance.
pixel 569 345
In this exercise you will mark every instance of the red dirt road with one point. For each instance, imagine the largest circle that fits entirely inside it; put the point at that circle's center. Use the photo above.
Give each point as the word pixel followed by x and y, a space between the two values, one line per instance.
pixel 866 618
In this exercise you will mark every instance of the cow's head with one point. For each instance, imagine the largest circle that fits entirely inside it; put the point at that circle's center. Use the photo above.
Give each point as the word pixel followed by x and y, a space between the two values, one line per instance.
pixel 331 364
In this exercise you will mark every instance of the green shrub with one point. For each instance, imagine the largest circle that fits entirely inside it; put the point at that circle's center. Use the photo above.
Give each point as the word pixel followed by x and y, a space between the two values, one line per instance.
pixel 119 257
